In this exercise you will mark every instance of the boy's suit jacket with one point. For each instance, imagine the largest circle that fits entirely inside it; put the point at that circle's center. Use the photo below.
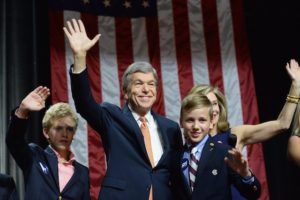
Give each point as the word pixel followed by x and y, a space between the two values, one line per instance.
pixel 129 173
pixel 40 168
pixel 213 177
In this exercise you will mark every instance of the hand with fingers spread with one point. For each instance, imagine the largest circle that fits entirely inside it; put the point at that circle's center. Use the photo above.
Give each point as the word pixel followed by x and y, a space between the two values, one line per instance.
pixel 293 70
pixel 79 42
pixel 34 101
pixel 237 162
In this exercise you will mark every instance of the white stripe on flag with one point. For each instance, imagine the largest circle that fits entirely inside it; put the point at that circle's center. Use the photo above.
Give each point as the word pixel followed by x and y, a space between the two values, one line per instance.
pixel 198 47
pixel 139 36
pixel 108 61
pixel 229 65
pixel 172 96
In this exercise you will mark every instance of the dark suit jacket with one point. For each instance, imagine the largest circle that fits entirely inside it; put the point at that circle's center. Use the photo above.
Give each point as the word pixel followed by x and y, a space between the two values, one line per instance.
pixel 129 173
pixel 40 168
pixel 213 177
pixel 7 188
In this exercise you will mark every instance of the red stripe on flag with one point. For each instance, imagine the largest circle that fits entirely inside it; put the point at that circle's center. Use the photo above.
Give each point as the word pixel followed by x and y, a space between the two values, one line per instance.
pixel 247 90
pixel 154 57
pixel 211 32
pixel 95 148
pixel 183 46
pixel 59 86
pixel 124 48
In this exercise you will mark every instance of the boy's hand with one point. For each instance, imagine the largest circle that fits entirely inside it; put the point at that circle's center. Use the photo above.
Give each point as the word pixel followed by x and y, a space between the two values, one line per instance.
pixel 237 162
pixel 34 101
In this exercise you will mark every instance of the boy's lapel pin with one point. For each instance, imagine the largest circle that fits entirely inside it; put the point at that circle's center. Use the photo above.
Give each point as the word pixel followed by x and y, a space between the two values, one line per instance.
pixel 44 168
pixel 184 164
pixel 214 172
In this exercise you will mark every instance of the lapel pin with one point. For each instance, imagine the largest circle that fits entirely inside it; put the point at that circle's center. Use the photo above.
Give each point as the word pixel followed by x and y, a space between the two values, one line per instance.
pixel 184 164
pixel 44 168
pixel 214 172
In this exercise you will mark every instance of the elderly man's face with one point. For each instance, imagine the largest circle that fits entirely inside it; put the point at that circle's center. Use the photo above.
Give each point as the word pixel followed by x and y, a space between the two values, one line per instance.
pixel 142 92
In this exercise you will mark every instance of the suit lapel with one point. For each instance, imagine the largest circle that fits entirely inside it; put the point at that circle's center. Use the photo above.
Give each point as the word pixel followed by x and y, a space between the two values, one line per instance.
pixel 162 131
pixel 43 169
pixel 136 130
pixel 51 167
pixel 163 135
pixel 207 154
pixel 186 186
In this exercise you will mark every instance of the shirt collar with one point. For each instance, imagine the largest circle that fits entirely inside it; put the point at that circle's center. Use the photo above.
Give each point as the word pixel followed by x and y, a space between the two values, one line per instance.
pixel 198 147
pixel 61 159
pixel 136 116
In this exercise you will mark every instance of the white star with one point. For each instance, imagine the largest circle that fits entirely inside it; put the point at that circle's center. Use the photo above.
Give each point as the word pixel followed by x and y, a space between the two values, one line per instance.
pixel 106 3
pixel 145 4
pixel 127 4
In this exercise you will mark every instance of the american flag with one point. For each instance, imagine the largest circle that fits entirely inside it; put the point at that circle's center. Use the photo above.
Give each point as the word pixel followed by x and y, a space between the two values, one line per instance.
pixel 188 42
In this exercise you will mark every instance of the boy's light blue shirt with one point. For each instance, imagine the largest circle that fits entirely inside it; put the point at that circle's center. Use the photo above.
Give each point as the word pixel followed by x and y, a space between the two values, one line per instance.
pixel 186 157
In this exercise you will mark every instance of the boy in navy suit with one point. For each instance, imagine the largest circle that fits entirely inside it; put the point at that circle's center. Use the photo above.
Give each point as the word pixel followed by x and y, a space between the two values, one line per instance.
pixel 206 169
pixel 50 173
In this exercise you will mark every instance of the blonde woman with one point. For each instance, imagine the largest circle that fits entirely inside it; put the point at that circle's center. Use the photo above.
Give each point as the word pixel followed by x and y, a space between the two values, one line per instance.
pixel 250 134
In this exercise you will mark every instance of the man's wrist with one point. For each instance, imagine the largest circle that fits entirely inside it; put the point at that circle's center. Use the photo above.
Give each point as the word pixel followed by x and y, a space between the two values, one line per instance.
pixel 79 62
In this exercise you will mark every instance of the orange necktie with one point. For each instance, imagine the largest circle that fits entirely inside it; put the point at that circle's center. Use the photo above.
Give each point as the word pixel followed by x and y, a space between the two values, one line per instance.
pixel 147 141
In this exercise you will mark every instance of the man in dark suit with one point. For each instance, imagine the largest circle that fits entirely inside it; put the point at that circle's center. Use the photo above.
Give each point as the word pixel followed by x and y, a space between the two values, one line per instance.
pixel 139 144
pixel 50 173
pixel 7 188
pixel 206 169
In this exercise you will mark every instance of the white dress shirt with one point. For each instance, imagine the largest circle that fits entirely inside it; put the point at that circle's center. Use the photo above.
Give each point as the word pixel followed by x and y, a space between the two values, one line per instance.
pixel 156 142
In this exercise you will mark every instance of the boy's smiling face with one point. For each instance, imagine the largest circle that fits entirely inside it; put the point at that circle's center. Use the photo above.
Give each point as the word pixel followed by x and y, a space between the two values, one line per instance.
pixel 196 123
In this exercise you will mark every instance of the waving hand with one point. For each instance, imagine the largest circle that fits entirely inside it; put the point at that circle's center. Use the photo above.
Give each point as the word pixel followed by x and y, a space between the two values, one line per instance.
pixel 79 42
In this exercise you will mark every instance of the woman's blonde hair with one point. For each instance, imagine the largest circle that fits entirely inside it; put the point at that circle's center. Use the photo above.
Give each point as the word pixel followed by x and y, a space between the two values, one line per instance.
pixel 222 124
pixel 57 111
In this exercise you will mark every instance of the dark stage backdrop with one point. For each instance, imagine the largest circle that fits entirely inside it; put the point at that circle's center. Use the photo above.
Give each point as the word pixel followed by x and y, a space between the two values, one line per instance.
pixel 273 33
